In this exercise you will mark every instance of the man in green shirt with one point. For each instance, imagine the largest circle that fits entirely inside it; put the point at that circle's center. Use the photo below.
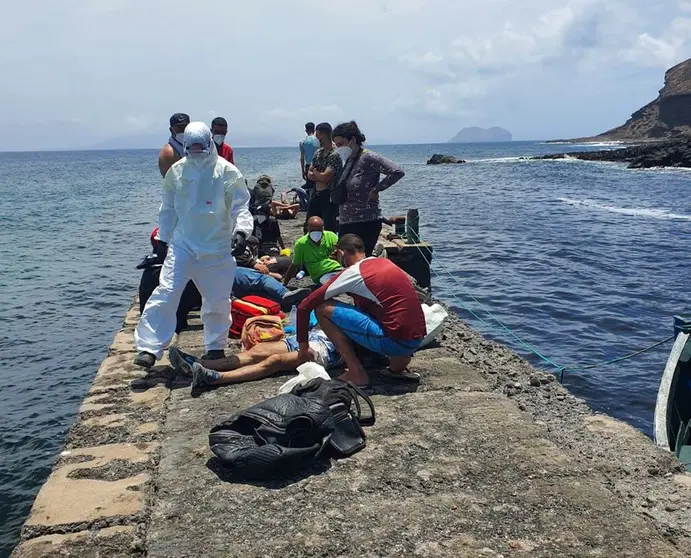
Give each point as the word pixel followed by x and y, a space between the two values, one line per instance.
pixel 314 252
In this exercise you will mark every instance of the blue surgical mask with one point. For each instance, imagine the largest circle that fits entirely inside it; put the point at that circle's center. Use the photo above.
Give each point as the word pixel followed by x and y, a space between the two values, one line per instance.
pixel 316 236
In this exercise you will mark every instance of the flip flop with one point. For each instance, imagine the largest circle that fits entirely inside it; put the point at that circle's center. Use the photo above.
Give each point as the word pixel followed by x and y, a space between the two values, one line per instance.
pixel 405 376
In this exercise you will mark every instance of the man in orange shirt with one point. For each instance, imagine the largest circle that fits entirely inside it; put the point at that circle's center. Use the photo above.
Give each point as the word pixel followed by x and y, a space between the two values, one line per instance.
pixel 219 130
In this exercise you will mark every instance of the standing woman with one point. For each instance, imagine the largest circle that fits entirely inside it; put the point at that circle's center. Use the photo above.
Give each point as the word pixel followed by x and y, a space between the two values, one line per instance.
pixel 360 185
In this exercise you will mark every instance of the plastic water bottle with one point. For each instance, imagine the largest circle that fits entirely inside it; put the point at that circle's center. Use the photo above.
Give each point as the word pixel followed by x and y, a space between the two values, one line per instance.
pixel 293 316
pixel 300 274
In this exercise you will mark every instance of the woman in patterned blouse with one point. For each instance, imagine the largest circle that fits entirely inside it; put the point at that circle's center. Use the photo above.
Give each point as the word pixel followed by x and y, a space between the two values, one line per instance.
pixel 360 214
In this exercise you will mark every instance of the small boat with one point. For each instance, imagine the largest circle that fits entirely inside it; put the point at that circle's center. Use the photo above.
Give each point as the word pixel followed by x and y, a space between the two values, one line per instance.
pixel 673 407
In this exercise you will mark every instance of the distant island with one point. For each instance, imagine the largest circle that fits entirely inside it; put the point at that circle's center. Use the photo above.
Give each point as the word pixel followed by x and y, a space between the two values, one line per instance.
pixel 476 135
pixel 667 117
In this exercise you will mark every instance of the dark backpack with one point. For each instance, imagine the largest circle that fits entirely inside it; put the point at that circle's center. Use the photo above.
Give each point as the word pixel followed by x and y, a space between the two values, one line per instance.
pixel 292 431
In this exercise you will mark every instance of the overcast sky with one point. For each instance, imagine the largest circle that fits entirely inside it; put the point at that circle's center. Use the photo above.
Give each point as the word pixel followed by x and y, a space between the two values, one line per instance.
pixel 79 73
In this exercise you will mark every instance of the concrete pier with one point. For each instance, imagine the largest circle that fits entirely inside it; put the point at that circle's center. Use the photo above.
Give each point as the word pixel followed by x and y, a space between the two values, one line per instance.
pixel 488 457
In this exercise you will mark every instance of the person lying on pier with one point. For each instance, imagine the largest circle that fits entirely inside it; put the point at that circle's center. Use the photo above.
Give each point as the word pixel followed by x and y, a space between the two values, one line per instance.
pixel 387 318
pixel 284 209
pixel 261 361
pixel 247 282
pixel 314 252
pixel 250 258
pixel 299 196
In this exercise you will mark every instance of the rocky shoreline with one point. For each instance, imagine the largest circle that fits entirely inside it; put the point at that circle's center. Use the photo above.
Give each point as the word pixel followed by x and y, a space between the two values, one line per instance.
pixel 670 153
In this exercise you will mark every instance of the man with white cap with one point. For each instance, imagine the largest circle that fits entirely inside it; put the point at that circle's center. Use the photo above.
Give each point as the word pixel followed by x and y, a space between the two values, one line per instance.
pixel 204 218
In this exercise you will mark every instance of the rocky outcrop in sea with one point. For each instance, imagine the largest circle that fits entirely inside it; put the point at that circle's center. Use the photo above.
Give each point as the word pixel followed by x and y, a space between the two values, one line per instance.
pixel 439 159
pixel 672 153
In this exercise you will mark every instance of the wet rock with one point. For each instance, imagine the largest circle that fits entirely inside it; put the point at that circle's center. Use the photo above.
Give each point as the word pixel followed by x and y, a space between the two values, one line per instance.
pixel 671 153
pixel 439 159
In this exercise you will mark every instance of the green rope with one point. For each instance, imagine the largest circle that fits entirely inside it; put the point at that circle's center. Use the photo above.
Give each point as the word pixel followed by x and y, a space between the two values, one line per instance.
pixel 506 330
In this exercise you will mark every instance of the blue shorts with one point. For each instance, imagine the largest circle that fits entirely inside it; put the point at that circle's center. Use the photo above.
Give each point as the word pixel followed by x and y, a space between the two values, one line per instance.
pixel 365 331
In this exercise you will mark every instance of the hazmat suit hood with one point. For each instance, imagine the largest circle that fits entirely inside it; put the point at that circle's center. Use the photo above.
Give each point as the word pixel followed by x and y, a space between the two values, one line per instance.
pixel 198 132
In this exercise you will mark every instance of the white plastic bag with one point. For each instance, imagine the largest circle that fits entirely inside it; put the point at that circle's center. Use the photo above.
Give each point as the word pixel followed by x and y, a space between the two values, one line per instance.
pixel 434 322
pixel 306 372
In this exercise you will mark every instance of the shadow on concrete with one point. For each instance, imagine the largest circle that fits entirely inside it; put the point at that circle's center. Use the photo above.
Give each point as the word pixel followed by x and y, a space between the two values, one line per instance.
pixel 161 376
pixel 317 468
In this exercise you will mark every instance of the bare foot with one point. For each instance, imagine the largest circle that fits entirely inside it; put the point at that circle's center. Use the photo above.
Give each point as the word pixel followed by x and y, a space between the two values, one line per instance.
pixel 360 380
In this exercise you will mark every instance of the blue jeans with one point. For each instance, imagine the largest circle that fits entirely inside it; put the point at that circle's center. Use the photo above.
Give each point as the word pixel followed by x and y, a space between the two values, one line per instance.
pixel 251 282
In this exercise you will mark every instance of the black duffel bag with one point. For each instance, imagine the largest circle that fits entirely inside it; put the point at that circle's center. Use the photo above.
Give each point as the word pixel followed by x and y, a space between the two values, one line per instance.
pixel 289 432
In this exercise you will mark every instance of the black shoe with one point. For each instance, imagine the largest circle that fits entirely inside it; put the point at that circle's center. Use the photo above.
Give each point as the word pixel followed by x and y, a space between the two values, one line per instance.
pixel 293 298
pixel 145 360
pixel 203 377
pixel 214 355
pixel 181 362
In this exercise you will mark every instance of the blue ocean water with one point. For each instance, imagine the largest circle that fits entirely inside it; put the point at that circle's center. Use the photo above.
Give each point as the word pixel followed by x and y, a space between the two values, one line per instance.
pixel 583 260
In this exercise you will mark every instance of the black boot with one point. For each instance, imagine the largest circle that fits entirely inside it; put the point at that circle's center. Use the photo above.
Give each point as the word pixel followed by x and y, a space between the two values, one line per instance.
pixel 214 355
pixel 145 360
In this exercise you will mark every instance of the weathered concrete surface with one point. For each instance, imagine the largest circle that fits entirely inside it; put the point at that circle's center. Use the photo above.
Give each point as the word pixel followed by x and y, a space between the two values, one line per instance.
pixel 487 457
pixel 451 469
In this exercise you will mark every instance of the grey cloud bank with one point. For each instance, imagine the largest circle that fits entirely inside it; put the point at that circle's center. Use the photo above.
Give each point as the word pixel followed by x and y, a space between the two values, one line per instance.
pixel 81 74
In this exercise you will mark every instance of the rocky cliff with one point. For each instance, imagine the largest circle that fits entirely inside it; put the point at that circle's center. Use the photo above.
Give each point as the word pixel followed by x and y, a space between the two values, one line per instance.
pixel 668 116
pixel 475 134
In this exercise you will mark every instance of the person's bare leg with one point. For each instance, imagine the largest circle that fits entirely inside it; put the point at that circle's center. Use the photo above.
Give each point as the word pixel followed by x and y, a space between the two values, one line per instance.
pixel 355 372
pixel 255 355
pixel 397 365
pixel 267 367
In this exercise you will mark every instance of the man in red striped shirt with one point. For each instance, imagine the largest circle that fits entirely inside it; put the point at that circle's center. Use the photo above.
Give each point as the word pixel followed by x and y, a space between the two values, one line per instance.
pixel 387 317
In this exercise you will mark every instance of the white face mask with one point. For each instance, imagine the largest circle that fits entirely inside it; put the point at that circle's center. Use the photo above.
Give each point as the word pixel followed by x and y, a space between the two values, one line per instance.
pixel 180 137
pixel 261 219
pixel 198 159
pixel 344 152
pixel 316 236
pixel 219 139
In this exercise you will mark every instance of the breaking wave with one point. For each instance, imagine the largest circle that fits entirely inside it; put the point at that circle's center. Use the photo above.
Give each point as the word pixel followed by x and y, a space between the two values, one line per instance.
pixel 651 213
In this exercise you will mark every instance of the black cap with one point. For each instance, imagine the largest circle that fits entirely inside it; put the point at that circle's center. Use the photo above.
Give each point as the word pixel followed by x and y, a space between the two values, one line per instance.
pixel 179 118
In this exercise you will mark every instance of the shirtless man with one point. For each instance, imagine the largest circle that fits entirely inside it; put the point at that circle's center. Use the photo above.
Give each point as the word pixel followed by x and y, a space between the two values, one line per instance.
pixel 173 150
pixel 261 361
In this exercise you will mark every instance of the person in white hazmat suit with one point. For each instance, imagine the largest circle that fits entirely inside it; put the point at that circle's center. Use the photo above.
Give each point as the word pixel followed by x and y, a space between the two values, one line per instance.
pixel 203 223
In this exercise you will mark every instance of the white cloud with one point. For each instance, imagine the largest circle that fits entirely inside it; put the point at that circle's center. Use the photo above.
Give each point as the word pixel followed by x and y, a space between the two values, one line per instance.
pixel 407 70
pixel 428 63
pixel 671 47
pixel 136 123
pixel 319 113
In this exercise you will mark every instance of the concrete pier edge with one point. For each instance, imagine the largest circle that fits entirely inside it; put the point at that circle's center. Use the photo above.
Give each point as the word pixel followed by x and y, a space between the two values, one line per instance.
pixel 489 457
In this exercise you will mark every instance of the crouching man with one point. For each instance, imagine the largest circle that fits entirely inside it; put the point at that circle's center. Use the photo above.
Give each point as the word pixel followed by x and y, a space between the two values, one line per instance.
pixel 387 318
